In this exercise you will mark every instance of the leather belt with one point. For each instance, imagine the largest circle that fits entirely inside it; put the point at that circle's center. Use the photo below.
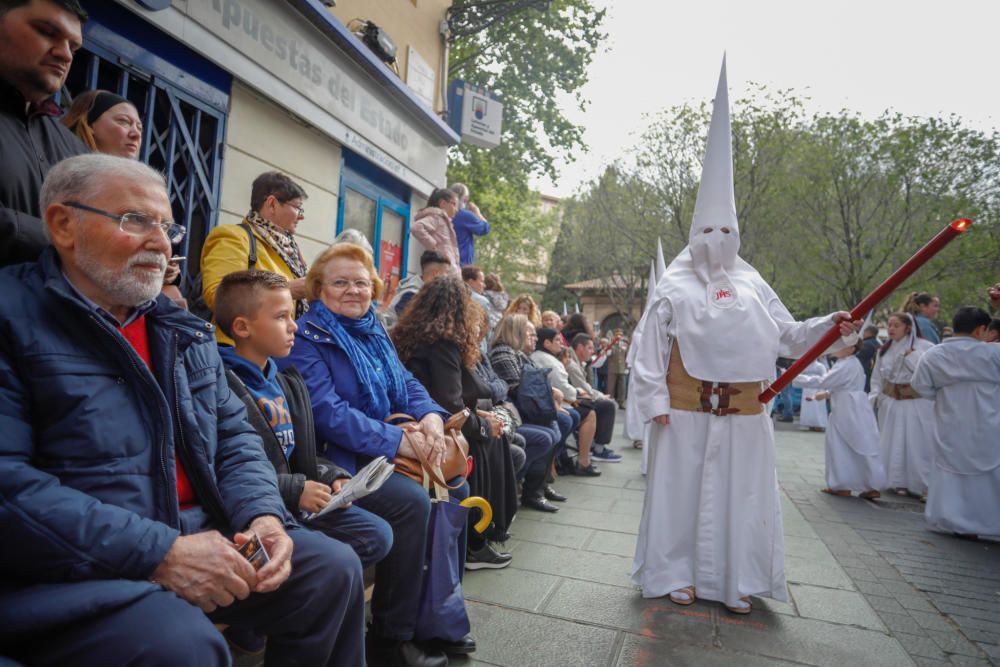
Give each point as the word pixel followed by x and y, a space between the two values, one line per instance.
pixel 694 395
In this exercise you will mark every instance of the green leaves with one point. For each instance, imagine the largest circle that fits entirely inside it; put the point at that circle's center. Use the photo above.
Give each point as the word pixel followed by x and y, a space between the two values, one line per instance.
pixel 828 204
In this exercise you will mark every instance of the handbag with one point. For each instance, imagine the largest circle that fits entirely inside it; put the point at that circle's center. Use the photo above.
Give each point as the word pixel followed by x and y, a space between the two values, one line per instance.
pixel 441 612
pixel 456 458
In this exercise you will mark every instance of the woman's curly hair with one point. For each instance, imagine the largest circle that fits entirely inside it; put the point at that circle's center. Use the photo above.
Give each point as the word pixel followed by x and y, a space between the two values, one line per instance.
pixel 441 310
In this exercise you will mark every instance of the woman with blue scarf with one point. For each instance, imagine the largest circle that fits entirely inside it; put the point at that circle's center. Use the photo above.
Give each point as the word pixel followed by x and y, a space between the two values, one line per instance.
pixel 356 380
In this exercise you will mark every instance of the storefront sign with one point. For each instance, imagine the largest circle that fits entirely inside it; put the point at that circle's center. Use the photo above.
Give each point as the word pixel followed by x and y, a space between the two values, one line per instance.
pixel 288 47
pixel 475 114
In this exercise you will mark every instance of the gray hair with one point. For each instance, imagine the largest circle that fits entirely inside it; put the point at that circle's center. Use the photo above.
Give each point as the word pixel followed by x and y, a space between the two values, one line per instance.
pixel 82 177
pixel 461 191
pixel 355 237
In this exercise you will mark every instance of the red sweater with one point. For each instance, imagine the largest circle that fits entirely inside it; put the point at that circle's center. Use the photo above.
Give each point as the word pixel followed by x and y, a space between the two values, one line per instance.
pixel 136 334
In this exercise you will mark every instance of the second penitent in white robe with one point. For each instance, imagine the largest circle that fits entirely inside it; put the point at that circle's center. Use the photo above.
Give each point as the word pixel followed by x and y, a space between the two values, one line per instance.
pixel 962 375
pixel 813 414
pixel 906 425
pixel 853 460
pixel 711 516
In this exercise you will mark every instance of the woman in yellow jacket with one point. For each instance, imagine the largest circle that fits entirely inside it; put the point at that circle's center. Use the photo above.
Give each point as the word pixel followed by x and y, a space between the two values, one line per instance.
pixel 276 207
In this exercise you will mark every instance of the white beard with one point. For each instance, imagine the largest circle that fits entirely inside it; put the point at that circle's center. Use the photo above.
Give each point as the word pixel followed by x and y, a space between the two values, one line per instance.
pixel 126 286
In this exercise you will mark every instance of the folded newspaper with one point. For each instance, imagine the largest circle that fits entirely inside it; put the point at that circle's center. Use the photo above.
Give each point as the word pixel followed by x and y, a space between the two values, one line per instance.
pixel 365 481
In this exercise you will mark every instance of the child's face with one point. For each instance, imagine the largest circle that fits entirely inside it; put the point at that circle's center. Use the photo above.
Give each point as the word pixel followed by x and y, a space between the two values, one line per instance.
pixel 992 336
pixel 272 329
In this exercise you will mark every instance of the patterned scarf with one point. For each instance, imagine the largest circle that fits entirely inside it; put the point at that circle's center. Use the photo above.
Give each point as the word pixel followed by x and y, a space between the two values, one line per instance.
pixel 281 242
pixel 367 345
pixel 284 244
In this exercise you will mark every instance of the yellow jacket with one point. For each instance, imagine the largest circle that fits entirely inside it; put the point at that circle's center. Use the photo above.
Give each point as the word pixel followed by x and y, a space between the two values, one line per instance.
pixel 227 250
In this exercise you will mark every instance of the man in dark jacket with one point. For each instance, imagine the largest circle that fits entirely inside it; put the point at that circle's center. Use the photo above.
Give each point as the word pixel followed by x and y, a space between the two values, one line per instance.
pixel 37 41
pixel 866 355
pixel 128 470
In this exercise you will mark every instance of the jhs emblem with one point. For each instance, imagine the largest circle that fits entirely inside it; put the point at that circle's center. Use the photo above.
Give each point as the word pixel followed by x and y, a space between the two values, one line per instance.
pixel 722 296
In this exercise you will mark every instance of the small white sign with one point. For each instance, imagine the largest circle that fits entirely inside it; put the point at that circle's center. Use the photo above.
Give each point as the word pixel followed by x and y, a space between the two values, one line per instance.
pixel 482 117
pixel 421 77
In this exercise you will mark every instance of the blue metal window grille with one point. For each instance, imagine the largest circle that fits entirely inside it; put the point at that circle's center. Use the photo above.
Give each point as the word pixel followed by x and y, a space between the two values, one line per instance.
pixel 183 131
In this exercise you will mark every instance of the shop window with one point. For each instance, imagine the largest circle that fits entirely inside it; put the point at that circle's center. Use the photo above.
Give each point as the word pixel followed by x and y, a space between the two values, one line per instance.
pixel 375 204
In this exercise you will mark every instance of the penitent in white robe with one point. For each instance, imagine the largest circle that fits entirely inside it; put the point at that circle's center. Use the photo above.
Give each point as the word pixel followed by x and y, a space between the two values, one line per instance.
pixel 962 375
pixel 853 460
pixel 813 413
pixel 711 516
pixel 906 427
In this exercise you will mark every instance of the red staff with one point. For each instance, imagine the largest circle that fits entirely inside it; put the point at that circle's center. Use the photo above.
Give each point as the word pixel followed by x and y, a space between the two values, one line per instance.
pixel 943 238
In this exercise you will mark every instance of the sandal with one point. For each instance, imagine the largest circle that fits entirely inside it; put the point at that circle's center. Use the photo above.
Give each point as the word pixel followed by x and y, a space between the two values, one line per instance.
pixel 842 492
pixel 688 591
pixel 870 495
pixel 742 610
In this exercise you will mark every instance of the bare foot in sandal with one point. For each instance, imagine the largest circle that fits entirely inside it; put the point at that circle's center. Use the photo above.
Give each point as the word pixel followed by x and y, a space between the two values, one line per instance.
pixel 744 606
pixel 683 596
pixel 841 492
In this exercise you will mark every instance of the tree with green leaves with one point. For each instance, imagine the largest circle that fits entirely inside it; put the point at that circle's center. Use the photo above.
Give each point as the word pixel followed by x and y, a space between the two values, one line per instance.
pixel 828 205
pixel 530 59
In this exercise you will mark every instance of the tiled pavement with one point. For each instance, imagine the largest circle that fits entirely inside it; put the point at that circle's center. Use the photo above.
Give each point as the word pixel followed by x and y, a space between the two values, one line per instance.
pixel 869 585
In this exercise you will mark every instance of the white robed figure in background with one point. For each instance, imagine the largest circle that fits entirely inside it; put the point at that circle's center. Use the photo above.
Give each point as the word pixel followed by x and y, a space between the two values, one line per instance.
pixel 635 430
pixel 813 414
pixel 711 522
pixel 853 461
pixel 962 376
pixel 905 418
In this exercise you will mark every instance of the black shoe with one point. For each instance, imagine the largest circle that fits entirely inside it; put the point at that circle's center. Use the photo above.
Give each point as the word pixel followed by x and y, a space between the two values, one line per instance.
pixel 244 641
pixel 787 420
pixel 487 558
pixel 539 503
pixel 586 471
pixel 463 646
pixel 382 652
pixel 551 494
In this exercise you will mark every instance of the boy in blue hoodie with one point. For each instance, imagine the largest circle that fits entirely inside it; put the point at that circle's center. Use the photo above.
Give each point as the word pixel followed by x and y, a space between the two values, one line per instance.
pixel 256 310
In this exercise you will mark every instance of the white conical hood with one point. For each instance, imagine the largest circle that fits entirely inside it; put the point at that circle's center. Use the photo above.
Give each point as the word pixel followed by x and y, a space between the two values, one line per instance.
pixel 651 290
pixel 660 265
pixel 714 239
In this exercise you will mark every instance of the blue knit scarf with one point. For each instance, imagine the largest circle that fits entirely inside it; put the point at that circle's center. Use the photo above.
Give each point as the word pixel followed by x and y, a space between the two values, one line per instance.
pixel 367 345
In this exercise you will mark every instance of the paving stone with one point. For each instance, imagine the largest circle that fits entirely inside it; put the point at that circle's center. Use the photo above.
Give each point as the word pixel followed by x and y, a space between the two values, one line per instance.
pixel 954 642
pixel 803 547
pixel 970 661
pixel 509 587
pixel 575 564
pixel 627 507
pixel 873 588
pixel 623 609
pixel 858 573
pixel 638 651
pixel 603 541
pixel 921 661
pixel 900 623
pixel 516 638
pixel 836 606
pixel 881 604
pixel 550 533
pixel 930 620
pixel 923 646
pixel 588 519
pixel 810 641
pixel 819 573
pixel 916 602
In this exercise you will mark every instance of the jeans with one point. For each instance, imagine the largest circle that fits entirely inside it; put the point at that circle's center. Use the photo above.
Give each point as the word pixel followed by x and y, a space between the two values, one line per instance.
pixel 406 506
pixel 315 618
pixel 368 534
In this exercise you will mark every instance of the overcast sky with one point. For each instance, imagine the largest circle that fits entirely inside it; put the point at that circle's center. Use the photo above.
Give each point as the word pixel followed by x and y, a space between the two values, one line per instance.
pixel 916 57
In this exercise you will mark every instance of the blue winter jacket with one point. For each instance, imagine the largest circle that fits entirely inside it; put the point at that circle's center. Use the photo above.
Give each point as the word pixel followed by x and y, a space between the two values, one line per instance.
pixel 467 226
pixel 352 438
pixel 89 435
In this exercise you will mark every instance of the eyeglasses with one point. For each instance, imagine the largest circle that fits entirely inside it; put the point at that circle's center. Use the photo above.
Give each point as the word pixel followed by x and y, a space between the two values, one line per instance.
pixel 134 223
pixel 342 285
pixel 301 210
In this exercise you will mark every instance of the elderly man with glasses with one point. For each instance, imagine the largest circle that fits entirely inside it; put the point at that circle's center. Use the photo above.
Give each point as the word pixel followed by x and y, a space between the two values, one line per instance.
pixel 129 473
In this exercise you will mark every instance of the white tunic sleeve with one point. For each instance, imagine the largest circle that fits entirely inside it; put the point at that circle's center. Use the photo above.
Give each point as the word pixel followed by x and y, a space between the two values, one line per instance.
pixel 876 382
pixel 837 378
pixel 923 380
pixel 649 372
pixel 797 337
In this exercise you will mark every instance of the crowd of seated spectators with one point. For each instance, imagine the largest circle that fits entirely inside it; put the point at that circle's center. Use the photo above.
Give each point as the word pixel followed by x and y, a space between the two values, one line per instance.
pixel 165 452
